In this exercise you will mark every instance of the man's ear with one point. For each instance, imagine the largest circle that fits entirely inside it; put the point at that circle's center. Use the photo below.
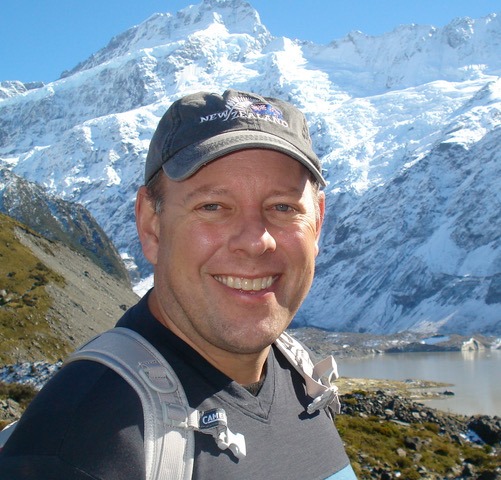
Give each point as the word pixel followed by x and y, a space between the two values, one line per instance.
pixel 147 224
pixel 319 220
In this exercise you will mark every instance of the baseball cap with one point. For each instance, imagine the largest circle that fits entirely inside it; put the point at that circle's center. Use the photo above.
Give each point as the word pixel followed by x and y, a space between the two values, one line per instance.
pixel 203 127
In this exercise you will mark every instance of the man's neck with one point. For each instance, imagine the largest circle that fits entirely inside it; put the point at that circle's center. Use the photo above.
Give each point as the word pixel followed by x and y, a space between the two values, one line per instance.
pixel 243 368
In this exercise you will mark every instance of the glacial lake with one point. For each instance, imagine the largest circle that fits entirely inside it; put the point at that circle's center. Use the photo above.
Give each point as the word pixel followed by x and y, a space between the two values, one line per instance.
pixel 475 377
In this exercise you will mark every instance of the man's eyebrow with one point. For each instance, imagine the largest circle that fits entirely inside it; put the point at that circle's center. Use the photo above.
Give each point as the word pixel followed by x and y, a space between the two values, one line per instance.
pixel 287 191
pixel 204 190
pixel 210 190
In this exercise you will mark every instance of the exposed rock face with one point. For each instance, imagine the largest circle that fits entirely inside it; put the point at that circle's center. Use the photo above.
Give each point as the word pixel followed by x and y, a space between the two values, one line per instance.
pixel 9 410
pixel 487 428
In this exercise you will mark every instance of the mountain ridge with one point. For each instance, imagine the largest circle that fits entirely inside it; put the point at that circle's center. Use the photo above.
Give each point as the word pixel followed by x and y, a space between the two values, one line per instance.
pixel 57 220
pixel 171 27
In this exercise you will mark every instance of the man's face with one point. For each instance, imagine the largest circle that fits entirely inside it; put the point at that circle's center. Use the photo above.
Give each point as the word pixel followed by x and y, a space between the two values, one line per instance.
pixel 233 250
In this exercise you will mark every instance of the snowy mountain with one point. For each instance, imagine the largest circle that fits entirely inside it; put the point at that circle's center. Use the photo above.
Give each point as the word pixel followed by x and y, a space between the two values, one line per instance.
pixel 407 125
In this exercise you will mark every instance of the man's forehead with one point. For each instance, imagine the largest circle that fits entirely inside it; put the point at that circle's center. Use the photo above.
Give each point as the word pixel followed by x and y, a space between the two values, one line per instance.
pixel 215 190
pixel 226 177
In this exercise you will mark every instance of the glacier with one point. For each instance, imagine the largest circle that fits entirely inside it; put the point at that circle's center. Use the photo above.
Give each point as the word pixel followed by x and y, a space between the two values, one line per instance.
pixel 407 125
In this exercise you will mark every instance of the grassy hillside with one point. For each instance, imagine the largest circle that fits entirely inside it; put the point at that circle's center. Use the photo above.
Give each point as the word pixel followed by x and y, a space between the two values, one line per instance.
pixel 379 449
pixel 24 301
pixel 52 298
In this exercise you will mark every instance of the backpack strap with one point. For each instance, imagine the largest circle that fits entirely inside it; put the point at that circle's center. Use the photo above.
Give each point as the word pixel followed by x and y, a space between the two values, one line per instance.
pixel 169 422
pixel 5 434
pixel 318 378
pixel 154 381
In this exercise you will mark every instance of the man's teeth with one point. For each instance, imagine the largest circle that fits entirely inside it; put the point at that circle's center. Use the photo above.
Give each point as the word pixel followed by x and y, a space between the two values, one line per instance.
pixel 246 284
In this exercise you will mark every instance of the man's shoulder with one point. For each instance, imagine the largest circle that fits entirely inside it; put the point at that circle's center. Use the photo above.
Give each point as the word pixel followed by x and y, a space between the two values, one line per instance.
pixel 75 382
pixel 74 419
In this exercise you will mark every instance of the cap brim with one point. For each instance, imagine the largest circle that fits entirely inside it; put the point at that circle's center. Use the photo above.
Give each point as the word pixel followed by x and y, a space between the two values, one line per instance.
pixel 188 161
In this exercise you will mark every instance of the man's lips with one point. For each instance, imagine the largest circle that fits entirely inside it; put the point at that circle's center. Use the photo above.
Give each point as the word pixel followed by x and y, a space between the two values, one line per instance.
pixel 246 284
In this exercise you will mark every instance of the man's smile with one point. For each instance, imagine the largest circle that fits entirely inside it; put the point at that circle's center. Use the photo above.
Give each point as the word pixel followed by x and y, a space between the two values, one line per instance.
pixel 246 284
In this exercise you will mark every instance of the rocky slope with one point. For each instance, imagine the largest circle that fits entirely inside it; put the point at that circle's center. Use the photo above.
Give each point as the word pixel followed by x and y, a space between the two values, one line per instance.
pixel 52 298
pixel 388 436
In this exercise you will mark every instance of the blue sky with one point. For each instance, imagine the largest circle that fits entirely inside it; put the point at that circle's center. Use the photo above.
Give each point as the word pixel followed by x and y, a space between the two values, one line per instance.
pixel 39 39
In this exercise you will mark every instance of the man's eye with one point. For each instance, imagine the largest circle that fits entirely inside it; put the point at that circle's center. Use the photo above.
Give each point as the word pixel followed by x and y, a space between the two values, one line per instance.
pixel 211 207
pixel 282 207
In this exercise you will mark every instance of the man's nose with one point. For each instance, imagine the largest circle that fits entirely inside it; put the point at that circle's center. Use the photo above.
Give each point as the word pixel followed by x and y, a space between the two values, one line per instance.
pixel 251 235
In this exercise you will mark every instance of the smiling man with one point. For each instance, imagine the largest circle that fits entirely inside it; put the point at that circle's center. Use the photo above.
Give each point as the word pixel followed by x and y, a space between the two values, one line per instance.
pixel 233 248
pixel 230 217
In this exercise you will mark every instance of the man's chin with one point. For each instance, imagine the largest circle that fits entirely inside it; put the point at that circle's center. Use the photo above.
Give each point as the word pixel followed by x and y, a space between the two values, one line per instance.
pixel 253 342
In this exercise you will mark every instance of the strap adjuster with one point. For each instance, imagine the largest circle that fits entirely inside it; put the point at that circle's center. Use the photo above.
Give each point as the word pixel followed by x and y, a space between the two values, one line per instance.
pixel 328 397
pixel 211 422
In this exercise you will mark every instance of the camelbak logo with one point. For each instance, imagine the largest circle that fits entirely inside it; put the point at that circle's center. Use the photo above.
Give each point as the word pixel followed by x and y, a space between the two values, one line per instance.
pixel 213 418
pixel 247 107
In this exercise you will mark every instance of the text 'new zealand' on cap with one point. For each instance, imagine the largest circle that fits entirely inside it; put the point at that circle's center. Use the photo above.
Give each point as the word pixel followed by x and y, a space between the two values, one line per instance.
pixel 202 127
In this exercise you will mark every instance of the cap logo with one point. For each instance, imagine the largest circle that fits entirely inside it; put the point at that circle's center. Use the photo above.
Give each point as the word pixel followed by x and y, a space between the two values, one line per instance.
pixel 243 106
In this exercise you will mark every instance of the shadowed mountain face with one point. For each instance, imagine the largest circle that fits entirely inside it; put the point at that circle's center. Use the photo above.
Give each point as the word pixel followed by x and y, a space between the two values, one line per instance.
pixel 59 220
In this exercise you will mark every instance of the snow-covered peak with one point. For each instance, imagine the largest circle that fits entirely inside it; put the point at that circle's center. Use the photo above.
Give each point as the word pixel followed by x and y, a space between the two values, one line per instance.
pixel 211 16
pixel 10 89
pixel 412 55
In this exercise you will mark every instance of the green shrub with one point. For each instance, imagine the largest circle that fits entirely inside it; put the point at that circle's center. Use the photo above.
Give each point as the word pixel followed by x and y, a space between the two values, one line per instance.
pixel 21 393
pixel 372 443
